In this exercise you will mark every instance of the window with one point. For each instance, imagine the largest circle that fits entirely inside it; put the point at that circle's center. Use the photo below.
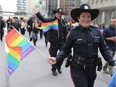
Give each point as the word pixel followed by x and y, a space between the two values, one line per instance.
pixel 72 3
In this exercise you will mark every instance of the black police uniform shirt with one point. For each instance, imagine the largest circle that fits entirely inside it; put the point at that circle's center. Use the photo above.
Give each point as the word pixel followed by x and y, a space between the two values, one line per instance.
pixel 85 43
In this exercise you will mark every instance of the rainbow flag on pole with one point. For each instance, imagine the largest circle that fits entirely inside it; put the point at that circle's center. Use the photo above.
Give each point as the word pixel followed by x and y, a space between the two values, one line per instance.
pixel 75 24
pixel 45 26
pixel 18 49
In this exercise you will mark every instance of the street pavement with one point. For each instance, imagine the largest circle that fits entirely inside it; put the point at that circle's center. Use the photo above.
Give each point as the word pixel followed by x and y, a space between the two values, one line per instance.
pixel 34 71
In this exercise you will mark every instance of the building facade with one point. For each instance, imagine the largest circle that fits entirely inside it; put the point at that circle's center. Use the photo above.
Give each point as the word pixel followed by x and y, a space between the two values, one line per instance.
pixel 21 6
pixel 107 10
pixel 65 5
pixel 33 5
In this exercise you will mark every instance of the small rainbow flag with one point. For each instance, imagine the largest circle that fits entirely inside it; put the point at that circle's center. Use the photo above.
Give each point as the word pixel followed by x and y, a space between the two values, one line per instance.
pixel 18 48
pixel 22 24
pixel 75 24
pixel 49 25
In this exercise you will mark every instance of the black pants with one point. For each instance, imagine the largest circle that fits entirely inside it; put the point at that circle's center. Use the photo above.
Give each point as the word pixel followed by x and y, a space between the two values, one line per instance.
pixel 22 31
pixel 46 40
pixel 41 33
pixel 29 30
pixel 54 47
pixel 1 36
pixel 83 77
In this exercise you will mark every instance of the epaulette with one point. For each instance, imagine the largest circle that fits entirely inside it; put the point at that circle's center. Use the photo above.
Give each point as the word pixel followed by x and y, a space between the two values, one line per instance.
pixel 74 28
pixel 93 27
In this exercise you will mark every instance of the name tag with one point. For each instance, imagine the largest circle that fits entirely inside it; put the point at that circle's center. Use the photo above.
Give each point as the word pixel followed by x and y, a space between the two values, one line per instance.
pixel 79 39
pixel 97 37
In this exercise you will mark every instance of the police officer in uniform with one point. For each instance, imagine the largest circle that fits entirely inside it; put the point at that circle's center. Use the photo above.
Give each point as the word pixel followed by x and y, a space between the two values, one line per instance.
pixel 56 38
pixel 85 41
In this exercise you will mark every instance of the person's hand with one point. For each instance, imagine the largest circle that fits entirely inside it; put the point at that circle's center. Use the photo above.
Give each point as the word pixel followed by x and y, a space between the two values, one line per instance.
pixel 114 39
pixel 35 10
pixel 51 60
pixel 114 68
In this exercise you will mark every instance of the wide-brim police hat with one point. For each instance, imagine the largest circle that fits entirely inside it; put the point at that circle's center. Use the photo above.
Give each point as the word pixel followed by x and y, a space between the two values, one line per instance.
pixel 75 13
pixel 59 10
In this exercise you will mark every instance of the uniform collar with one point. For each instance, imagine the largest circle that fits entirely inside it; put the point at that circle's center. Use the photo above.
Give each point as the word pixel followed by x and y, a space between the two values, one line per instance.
pixel 84 29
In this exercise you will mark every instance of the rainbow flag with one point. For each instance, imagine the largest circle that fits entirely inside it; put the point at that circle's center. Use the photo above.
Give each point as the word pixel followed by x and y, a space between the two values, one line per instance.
pixel 22 24
pixel 75 24
pixel 14 58
pixel 49 25
pixel 18 48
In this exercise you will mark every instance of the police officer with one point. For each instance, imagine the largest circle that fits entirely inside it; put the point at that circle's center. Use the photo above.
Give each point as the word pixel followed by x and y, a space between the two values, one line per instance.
pixel 56 38
pixel 85 41
pixel 29 26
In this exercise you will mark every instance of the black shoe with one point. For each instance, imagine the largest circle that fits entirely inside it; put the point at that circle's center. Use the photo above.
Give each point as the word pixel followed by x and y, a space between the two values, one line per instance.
pixel 35 44
pixel 30 39
pixel 59 70
pixel 54 72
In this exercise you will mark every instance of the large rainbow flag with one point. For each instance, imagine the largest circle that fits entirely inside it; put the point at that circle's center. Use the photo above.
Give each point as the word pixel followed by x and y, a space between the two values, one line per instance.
pixel 45 26
pixel 18 49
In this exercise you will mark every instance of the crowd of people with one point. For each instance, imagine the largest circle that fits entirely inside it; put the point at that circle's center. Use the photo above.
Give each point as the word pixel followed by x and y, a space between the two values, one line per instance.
pixel 78 34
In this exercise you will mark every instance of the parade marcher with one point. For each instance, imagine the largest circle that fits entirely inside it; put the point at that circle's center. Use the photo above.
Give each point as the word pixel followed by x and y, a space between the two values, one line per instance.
pixel 85 41
pixel 109 34
pixel 56 38
pixel 100 27
pixel 16 23
pixel 35 28
pixel 8 24
pixel 2 25
pixel 103 26
pixel 22 28
pixel 29 27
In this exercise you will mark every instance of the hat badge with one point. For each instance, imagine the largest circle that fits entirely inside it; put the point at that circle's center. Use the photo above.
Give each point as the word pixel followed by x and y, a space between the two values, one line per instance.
pixel 60 10
pixel 86 7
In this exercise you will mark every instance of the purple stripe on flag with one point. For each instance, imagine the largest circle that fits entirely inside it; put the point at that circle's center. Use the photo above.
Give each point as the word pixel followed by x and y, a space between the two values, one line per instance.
pixel 10 70
pixel 24 54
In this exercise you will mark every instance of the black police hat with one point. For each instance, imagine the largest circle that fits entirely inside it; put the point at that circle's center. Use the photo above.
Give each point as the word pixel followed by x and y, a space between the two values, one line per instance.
pixel 59 10
pixel 75 13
